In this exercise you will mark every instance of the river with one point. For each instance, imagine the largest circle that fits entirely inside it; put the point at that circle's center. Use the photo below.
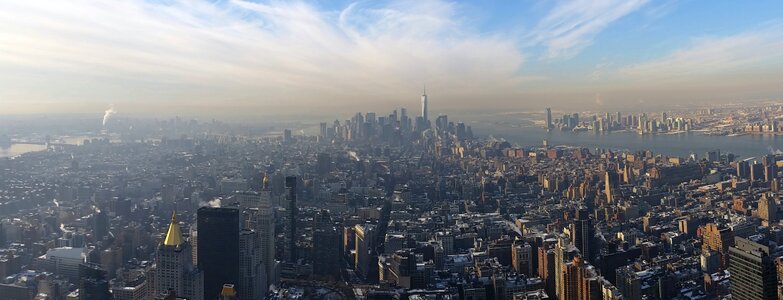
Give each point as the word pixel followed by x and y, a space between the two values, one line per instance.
pixel 683 144
pixel 18 149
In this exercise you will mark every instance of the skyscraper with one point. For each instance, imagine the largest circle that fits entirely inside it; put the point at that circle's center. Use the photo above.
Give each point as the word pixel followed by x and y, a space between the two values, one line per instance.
pixel 717 238
pixel 424 115
pixel 290 185
pixel 326 245
pixel 218 248
pixel 174 266
pixel 252 274
pixel 610 182
pixel 752 270
pixel 549 118
pixel 266 229
pixel 366 258
pixel 323 163
pixel 583 234
pixel 93 284
pixel 767 210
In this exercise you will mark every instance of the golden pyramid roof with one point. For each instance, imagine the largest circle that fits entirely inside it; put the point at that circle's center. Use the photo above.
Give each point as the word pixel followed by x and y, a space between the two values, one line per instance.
pixel 174 235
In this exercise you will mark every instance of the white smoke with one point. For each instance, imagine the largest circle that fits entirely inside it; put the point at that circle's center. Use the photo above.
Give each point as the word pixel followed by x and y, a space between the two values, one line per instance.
pixel 353 155
pixel 214 203
pixel 107 114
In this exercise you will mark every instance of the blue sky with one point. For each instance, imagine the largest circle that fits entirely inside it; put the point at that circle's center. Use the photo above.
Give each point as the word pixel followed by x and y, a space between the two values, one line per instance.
pixel 278 57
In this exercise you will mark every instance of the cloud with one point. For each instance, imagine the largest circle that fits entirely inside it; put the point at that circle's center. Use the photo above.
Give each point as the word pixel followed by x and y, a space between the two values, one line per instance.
pixel 570 27
pixel 250 54
pixel 707 56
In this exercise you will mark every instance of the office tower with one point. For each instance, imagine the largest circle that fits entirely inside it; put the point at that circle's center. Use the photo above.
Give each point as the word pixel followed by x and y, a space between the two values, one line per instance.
pixel 266 230
pixel 252 274
pixel 137 289
pixel 549 124
pixel 564 251
pixel 424 116
pixel 218 247
pixel 323 130
pixel 629 283
pixel 756 171
pixel 743 169
pixel 327 242
pixel 713 156
pixel 522 258
pixel 63 261
pixel 286 135
pixel 546 267
pixel 609 183
pixel 767 210
pixel 100 225
pixel 719 239
pixel 174 269
pixel 583 234
pixel 365 251
pixel 93 284
pixel 290 185
pixel 442 123
pixel 579 281
pixel 323 163
pixel 752 271
pixel 326 250
pixel 265 225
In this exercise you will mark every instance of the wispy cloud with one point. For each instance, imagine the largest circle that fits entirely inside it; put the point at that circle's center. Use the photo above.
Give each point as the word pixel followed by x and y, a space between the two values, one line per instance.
pixel 707 56
pixel 270 54
pixel 573 25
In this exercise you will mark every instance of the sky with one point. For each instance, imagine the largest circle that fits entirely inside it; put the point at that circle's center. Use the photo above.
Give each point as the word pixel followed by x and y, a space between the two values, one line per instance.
pixel 336 57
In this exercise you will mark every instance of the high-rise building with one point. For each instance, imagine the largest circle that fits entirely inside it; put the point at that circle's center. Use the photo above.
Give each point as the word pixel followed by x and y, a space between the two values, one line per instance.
pixel 753 274
pixel 743 169
pixel 100 225
pixel 424 113
pixel 290 185
pixel 323 163
pixel 323 131
pixel 564 252
pixel 583 234
pixel 287 136
pixel 767 210
pixel 326 245
pixel 522 258
pixel 252 274
pixel 366 258
pixel 549 124
pixel 174 269
pixel 718 238
pixel 610 182
pixel 218 248
pixel 93 284
pixel 265 225
pixel 546 267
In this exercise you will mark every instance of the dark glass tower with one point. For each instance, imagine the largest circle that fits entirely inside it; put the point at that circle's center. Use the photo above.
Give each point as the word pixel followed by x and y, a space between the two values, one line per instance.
pixel 218 248
pixel 93 284
pixel 752 270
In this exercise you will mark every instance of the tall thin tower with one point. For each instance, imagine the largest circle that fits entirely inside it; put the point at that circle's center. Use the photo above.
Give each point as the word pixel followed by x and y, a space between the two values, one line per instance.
pixel 424 107
pixel 549 118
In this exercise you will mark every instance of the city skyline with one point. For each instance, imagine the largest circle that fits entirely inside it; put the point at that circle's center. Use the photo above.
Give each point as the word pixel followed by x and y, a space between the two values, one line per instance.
pixel 272 58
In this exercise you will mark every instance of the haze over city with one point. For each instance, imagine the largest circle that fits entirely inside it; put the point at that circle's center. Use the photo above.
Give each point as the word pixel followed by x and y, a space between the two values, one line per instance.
pixel 221 58
pixel 391 150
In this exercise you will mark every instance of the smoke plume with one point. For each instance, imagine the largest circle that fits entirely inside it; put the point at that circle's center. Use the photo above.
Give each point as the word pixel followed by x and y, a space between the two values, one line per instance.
pixel 107 114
